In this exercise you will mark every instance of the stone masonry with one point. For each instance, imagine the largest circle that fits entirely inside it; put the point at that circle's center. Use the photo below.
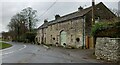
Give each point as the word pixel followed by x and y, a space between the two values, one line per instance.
pixel 70 30
pixel 108 49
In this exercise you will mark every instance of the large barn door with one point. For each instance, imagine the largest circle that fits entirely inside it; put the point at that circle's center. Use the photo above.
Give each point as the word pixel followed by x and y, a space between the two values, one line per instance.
pixel 63 37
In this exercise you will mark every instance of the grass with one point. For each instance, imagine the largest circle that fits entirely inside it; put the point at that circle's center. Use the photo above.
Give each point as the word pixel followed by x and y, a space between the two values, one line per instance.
pixel 4 45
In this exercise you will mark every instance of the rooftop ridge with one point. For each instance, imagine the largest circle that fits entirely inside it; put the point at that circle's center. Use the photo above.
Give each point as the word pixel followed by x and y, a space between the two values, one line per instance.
pixel 69 16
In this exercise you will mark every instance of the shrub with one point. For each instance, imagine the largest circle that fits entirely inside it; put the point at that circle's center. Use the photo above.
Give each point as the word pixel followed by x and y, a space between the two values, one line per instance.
pixel 106 25
pixel 30 36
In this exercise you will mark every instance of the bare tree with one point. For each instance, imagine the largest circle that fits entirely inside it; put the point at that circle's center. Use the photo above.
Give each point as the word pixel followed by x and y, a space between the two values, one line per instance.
pixel 116 12
pixel 22 22
pixel 30 16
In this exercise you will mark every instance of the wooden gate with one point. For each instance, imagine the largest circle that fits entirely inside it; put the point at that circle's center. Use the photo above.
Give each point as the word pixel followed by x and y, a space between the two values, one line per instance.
pixel 89 42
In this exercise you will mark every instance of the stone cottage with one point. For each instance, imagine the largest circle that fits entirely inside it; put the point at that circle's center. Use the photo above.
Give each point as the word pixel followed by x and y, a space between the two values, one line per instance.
pixel 72 30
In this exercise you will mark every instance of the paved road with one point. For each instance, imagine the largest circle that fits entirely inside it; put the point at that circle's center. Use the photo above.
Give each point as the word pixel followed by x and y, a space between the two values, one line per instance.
pixel 30 53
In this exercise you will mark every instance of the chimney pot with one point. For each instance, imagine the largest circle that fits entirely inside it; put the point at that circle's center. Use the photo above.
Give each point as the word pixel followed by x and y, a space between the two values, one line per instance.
pixel 45 21
pixel 80 8
pixel 57 16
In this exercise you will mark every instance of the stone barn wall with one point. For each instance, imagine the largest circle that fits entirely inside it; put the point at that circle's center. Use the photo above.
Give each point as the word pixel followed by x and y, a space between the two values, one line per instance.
pixel 108 49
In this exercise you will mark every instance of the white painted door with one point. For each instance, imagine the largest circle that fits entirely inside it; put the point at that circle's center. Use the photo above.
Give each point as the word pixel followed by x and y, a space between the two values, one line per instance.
pixel 63 37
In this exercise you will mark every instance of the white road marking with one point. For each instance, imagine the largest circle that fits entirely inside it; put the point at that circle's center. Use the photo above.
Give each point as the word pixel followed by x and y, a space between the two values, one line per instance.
pixel 22 48
pixel 8 52
pixel 6 49
pixel 15 51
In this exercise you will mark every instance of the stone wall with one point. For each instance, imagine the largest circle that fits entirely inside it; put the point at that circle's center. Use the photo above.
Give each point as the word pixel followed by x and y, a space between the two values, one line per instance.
pixel 52 34
pixel 108 49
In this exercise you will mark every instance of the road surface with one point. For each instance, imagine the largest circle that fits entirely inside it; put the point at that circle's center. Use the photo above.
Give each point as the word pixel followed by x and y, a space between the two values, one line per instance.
pixel 30 53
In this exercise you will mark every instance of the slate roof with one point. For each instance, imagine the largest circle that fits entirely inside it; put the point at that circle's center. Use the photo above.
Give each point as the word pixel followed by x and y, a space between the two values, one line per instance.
pixel 68 16
pixel 44 25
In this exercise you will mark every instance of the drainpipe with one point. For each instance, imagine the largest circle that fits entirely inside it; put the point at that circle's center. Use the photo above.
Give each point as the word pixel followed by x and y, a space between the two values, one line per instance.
pixel 83 33
pixel 42 36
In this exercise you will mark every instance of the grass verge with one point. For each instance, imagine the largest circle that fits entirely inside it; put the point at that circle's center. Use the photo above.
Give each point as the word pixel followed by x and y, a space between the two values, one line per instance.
pixel 4 45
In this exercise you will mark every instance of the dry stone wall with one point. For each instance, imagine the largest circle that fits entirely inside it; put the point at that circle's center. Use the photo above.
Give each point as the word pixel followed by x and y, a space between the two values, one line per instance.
pixel 108 49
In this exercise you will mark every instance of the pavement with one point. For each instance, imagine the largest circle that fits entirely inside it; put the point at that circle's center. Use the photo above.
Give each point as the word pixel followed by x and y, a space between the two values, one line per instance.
pixel 31 53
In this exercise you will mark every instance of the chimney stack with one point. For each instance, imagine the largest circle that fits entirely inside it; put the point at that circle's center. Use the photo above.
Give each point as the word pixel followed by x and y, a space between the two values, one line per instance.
pixel 57 16
pixel 80 8
pixel 45 21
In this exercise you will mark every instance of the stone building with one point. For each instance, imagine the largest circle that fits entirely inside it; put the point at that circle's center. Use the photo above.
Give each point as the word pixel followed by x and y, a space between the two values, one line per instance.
pixel 72 30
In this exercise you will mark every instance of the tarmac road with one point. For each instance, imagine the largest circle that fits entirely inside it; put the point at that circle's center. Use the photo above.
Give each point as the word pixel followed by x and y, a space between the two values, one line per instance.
pixel 30 53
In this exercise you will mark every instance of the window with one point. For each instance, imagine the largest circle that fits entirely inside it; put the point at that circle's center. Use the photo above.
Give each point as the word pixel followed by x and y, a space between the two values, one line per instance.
pixel 77 39
pixel 56 42
pixel 64 44
pixel 97 20
pixel 53 38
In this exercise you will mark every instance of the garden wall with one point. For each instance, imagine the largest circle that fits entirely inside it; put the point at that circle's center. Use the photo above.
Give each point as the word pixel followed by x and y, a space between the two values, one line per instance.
pixel 108 49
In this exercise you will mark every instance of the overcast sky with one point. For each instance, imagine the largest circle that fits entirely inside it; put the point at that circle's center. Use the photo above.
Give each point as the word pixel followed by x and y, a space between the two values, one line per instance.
pixel 8 8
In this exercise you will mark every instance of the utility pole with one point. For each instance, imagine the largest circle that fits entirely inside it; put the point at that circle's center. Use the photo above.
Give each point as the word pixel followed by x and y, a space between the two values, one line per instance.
pixel 93 12
pixel 93 21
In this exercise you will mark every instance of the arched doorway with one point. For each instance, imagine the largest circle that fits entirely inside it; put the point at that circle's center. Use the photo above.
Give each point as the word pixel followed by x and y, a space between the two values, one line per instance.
pixel 63 37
